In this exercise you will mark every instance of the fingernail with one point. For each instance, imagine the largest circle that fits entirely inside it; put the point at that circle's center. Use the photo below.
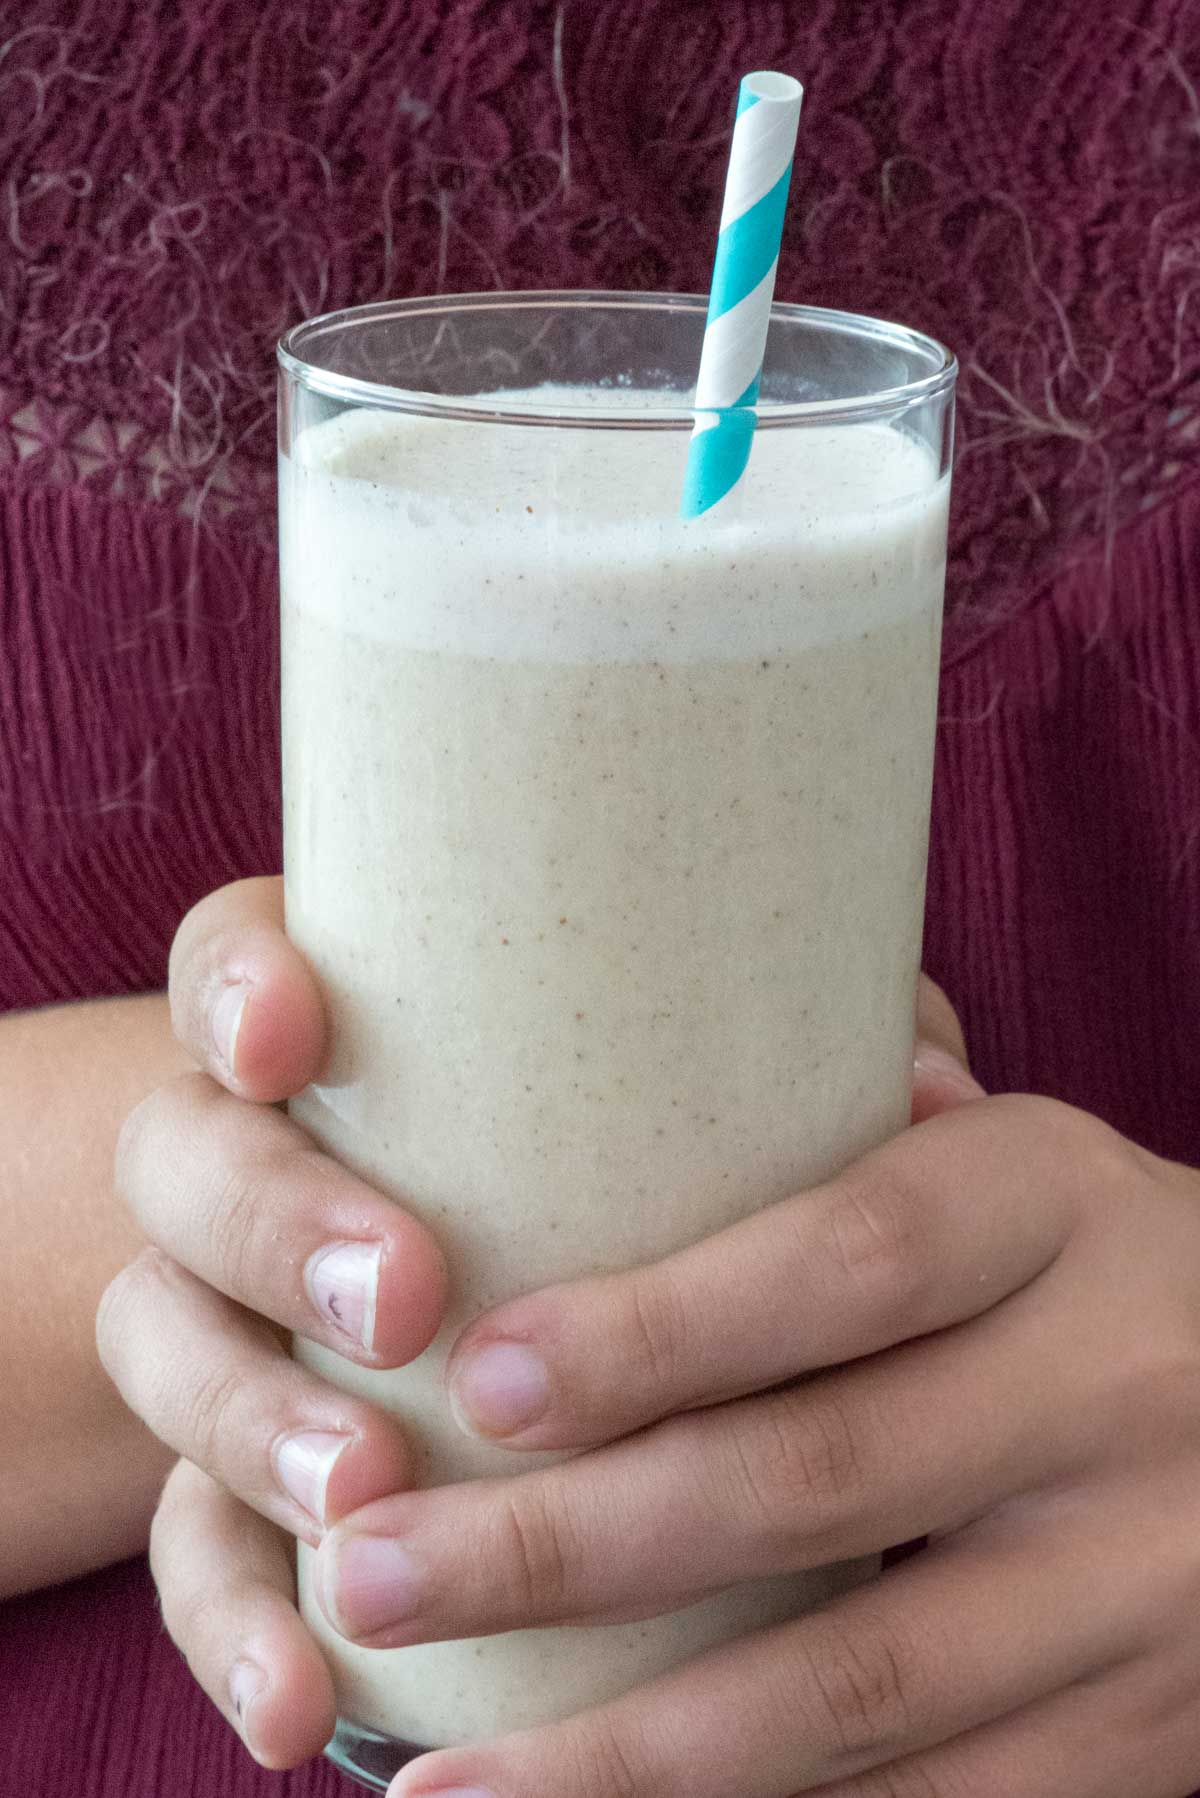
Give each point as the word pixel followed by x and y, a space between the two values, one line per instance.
pixel 303 1464
pixel 931 1058
pixel 499 1389
pixel 371 1585
pixel 227 1021
pixel 450 1792
pixel 342 1283
pixel 246 1681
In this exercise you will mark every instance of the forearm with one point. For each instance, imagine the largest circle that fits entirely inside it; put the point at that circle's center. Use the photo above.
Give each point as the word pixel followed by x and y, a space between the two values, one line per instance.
pixel 79 1475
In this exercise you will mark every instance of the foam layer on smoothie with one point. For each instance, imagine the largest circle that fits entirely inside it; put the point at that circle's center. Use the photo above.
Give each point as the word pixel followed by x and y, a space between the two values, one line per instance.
pixel 845 528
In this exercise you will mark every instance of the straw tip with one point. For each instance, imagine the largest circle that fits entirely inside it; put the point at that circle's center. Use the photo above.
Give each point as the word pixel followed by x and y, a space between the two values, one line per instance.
pixel 717 459
pixel 769 84
pixel 696 502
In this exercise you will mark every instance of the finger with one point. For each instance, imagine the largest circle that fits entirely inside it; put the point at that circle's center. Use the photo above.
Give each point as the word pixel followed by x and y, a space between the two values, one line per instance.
pixel 938 1225
pixel 226 1585
pixel 942 1076
pixel 825 1470
pixel 938 1022
pixel 957 1637
pixel 213 1383
pixel 243 1000
pixel 1132 1733
pixel 238 1194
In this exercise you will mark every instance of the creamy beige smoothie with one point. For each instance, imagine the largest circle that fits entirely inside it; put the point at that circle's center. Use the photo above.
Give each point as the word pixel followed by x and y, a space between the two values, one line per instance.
pixel 606 836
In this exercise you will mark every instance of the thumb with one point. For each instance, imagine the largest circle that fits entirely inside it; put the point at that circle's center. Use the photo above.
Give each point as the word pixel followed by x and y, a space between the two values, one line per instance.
pixel 244 1001
pixel 942 1076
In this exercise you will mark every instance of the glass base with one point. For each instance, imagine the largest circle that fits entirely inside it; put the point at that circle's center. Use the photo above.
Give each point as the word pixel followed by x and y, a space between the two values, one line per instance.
pixel 364 1754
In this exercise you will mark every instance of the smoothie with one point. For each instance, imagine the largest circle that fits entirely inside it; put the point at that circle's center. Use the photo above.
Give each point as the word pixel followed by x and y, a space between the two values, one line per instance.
pixel 605 834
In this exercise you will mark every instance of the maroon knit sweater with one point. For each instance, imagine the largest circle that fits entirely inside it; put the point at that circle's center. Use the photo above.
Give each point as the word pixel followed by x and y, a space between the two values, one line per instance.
pixel 182 179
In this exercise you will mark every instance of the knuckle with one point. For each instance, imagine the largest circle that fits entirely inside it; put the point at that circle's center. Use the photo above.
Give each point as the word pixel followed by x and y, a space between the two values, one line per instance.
pixel 825 1451
pixel 656 1317
pixel 185 1603
pixel 190 1616
pixel 1102 1163
pixel 880 1237
pixel 193 1613
pixel 866 1687
pixel 110 1317
pixel 540 1549
pixel 243 1220
pixel 150 1135
pixel 1058 1125
pixel 121 1306
pixel 131 1138
pixel 605 1764
pixel 150 1123
pixel 211 1412
pixel 907 1779
pixel 793 1462
pixel 1039 1115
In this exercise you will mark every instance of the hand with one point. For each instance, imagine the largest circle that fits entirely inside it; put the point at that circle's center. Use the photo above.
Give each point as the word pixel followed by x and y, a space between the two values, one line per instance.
pixel 242 1211
pixel 997 1317
pixel 246 1217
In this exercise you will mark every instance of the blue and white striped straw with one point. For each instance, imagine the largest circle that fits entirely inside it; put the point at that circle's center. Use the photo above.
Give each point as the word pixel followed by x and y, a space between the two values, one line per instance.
pixel 739 309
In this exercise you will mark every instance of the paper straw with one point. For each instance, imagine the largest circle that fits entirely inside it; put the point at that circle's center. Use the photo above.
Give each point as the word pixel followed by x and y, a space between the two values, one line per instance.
pixel 739 308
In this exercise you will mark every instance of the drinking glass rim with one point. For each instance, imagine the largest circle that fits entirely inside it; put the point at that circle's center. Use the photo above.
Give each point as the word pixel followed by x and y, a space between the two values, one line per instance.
pixel 591 414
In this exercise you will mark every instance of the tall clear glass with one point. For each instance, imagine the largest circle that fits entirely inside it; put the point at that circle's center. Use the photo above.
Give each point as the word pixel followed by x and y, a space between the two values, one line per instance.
pixel 604 832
